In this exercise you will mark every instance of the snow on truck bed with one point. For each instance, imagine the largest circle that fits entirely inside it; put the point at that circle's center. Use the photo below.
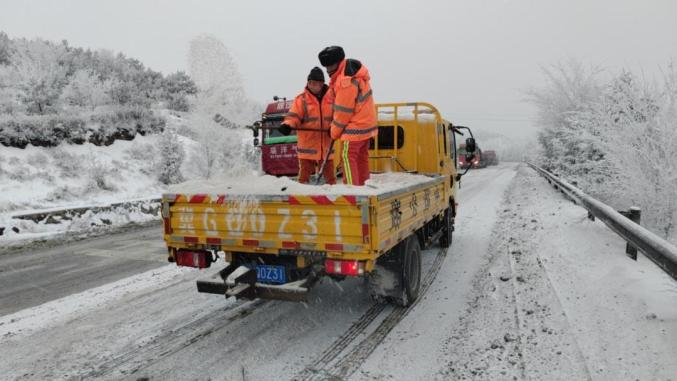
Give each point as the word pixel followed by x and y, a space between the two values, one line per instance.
pixel 255 185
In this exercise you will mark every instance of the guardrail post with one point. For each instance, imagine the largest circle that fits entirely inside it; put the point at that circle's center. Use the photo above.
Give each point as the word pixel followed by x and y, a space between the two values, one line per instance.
pixel 635 215
pixel 591 216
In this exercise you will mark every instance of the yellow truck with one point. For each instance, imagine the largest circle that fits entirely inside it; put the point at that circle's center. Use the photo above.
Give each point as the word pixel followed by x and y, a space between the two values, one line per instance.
pixel 279 237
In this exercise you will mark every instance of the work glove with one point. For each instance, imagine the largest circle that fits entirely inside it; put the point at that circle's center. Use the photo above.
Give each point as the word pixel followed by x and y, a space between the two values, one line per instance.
pixel 336 132
pixel 284 129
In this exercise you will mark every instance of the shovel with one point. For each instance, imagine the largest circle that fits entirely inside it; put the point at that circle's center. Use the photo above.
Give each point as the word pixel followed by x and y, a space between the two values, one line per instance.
pixel 315 178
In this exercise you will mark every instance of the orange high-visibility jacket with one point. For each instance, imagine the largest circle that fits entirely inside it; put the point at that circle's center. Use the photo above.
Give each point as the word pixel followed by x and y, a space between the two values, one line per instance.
pixel 307 113
pixel 354 110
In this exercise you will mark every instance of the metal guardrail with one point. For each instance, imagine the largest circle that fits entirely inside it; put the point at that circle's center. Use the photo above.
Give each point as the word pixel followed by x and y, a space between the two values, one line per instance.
pixel 660 251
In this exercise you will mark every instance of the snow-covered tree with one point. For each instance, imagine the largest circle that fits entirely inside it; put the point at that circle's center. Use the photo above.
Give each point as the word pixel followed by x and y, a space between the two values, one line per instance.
pixel 39 74
pixel 617 140
pixel 636 128
pixel 85 89
pixel 178 87
pixel 219 109
pixel 171 158
pixel 9 94
pixel 566 145
pixel 219 83
pixel 5 49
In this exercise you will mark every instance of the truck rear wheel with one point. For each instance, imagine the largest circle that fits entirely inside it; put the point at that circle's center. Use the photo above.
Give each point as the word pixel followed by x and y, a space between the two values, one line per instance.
pixel 447 229
pixel 397 275
pixel 411 272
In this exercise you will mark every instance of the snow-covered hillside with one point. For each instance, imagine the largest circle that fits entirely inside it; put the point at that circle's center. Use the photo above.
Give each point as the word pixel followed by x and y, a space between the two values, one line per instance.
pixel 37 179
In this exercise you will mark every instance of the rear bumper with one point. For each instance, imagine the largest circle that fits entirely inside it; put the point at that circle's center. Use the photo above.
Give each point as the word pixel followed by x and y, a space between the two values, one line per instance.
pixel 239 282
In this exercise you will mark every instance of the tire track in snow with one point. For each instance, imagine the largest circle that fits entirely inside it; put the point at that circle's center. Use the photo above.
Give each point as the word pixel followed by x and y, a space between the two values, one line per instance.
pixel 329 366
pixel 517 303
pixel 579 351
pixel 159 347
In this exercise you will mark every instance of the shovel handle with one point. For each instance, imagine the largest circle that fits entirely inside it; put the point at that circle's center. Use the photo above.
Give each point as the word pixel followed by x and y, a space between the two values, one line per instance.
pixel 324 162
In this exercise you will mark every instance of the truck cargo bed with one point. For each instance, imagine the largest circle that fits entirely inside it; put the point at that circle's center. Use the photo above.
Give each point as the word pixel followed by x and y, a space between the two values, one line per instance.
pixel 273 215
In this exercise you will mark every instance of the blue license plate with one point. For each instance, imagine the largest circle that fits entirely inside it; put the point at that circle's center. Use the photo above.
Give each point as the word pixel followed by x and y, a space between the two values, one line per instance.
pixel 271 274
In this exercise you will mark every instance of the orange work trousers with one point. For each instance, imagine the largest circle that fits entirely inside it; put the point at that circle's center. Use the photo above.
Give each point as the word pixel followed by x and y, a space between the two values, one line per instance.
pixel 355 162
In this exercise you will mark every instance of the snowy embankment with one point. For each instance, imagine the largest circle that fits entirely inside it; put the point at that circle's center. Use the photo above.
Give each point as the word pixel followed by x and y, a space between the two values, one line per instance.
pixel 38 179
pixel 41 180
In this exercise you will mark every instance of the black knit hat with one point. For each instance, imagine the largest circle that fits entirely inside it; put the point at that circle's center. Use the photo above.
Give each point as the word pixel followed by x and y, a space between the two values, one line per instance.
pixel 331 55
pixel 316 74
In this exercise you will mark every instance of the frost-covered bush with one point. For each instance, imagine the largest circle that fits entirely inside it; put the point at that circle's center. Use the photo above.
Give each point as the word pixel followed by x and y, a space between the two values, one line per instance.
pixel 220 151
pixel 141 152
pixel 69 165
pixel 41 130
pixel 171 158
pixel 145 154
pixel 62 193
pixel 37 159
pixel 123 123
pixel 18 170
pixel 99 175
pixel 101 127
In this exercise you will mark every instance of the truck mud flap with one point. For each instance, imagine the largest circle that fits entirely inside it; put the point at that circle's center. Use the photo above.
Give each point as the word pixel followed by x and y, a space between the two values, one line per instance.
pixel 246 287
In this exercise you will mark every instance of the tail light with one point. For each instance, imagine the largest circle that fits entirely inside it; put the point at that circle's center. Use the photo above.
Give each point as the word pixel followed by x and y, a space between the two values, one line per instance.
pixel 197 259
pixel 352 268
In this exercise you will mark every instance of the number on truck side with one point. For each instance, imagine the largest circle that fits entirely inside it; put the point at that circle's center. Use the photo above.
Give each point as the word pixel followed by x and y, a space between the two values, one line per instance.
pixel 337 225
pixel 236 222
pixel 311 221
pixel 209 222
pixel 285 219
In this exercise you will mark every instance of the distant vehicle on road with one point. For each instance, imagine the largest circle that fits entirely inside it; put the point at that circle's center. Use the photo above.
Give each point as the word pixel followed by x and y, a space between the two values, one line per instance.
pixel 475 160
pixel 489 158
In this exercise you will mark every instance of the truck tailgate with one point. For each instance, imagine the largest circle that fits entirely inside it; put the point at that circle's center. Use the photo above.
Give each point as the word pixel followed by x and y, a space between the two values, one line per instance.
pixel 268 224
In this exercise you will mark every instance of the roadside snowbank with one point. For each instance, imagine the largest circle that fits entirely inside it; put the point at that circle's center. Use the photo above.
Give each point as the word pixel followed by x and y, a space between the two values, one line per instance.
pixel 90 219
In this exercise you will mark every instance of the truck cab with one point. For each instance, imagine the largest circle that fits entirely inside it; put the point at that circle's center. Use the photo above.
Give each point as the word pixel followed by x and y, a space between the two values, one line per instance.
pixel 278 152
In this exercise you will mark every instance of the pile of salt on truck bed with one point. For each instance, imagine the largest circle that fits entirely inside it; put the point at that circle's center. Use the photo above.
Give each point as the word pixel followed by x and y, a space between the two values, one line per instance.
pixel 278 237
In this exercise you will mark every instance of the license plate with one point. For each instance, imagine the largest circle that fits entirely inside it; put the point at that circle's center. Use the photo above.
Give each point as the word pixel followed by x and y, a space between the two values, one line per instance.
pixel 271 274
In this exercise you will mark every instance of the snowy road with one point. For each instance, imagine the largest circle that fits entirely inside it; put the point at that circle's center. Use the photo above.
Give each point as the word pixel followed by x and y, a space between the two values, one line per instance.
pixel 147 320
pixel 36 276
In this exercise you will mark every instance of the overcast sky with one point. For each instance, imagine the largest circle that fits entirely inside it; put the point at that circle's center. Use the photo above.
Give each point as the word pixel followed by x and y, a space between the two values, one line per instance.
pixel 472 59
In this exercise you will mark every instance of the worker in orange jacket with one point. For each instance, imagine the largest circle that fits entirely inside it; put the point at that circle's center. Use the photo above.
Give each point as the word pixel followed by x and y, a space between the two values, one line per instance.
pixel 311 116
pixel 354 120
